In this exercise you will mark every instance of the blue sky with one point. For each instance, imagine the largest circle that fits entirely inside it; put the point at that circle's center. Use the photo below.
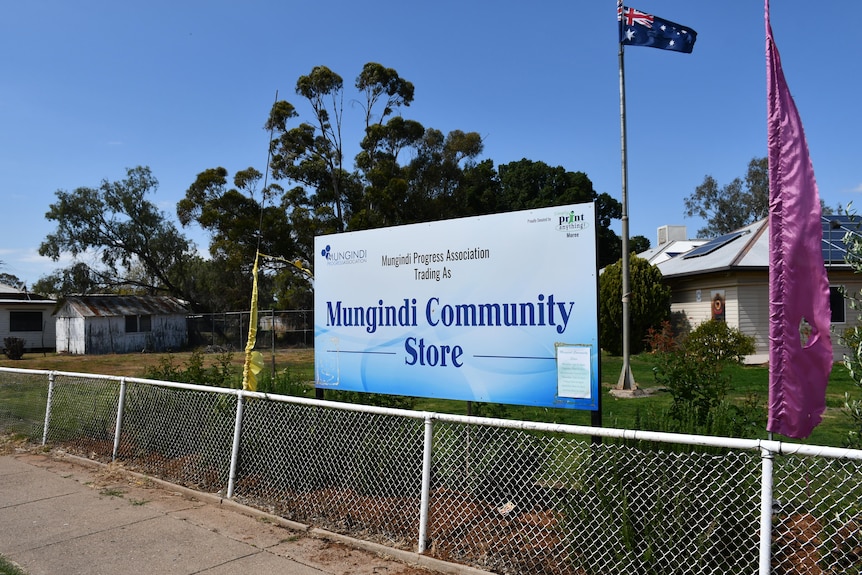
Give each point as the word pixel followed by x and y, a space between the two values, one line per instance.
pixel 91 88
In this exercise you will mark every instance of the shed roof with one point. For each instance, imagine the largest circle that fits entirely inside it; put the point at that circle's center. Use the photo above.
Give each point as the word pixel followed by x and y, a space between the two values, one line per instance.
pixel 123 305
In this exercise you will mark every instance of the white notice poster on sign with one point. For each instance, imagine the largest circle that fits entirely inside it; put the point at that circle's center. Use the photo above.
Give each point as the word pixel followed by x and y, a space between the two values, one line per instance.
pixel 573 371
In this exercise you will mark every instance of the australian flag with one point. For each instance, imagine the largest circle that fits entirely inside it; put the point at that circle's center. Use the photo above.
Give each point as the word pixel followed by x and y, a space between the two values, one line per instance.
pixel 641 29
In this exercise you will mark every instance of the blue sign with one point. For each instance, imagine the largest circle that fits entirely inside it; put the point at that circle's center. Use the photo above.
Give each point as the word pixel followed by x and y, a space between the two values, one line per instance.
pixel 499 308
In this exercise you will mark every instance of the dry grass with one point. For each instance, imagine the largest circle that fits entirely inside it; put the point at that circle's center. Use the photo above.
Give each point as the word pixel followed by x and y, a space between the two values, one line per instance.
pixel 137 364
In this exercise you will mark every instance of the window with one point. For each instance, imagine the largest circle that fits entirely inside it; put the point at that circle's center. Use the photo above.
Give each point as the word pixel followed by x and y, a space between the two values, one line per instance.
pixel 25 321
pixel 836 302
pixel 136 323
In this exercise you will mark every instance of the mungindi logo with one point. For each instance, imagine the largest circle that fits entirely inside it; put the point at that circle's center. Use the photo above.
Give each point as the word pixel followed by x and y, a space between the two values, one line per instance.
pixel 340 258
pixel 570 221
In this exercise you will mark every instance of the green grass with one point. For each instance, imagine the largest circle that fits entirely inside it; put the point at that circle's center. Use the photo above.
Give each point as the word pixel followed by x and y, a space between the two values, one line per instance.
pixel 22 408
pixel 9 568
pixel 296 369
pixel 112 492
pixel 748 383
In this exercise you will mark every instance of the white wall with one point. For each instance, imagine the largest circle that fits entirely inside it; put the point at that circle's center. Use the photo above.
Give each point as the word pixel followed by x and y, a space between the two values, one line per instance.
pixel 44 339
pixel 747 299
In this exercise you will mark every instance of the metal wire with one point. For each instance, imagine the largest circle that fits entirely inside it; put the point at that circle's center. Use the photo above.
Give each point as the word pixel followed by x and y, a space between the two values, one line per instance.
pixel 509 497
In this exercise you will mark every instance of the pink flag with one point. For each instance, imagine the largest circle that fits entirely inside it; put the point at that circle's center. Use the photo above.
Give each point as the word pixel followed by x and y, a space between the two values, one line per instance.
pixel 798 285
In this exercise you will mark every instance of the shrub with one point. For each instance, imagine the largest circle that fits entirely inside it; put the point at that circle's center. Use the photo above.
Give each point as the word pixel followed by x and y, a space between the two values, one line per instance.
pixel 668 336
pixel 714 341
pixel 746 419
pixel 653 513
pixel 852 339
pixel 649 304
pixel 220 374
pixel 697 385
pixel 661 340
pixel 693 372
pixel 284 382
pixel 13 347
pixel 375 399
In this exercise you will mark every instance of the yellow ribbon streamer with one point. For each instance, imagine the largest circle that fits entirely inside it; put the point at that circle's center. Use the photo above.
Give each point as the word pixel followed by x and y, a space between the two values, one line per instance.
pixel 253 359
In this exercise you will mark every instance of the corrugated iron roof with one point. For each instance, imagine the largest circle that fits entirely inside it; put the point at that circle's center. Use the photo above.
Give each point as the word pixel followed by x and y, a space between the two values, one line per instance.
pixel 20 301
pixel 670 250
pixel 750 249
pixel 12 294
pixel 123 305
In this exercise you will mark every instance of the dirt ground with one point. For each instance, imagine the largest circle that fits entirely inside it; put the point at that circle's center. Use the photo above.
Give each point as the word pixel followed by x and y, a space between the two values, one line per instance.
pixel 330 555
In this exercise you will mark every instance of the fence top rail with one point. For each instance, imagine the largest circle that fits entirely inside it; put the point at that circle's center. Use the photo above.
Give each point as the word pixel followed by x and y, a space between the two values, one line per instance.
pixel 246 312
pixel 766 446
pixel 55 373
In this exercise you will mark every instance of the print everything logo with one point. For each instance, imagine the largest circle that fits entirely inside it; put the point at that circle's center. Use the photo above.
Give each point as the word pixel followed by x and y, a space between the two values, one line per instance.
pixel 339 258
pixel 570 221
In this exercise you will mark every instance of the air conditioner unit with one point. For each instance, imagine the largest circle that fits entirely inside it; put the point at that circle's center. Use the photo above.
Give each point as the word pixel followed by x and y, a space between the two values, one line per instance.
pixel 668 234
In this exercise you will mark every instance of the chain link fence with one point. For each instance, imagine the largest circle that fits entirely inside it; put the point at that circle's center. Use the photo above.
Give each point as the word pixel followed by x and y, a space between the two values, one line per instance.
pixel 229 330
pixel 504 496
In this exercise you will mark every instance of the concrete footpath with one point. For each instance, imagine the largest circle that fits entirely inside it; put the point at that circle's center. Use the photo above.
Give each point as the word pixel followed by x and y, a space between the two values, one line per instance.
pixel 61 514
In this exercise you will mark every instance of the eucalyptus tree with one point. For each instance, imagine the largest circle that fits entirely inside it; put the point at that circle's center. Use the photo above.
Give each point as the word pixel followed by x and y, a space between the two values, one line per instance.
pixel 9 279
pixel 401 170
pixel 731 206
pixel 130 242
pixel 438 175
pixel 528 184
pixel 241 220
pixel 312 153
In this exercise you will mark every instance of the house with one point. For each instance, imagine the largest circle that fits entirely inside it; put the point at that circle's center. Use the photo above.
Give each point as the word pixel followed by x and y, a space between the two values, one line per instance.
pixel 728 278
pixel 99 324
pixel 26 316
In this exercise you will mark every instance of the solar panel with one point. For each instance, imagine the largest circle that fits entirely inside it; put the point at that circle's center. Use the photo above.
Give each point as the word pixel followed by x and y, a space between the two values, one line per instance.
pixel 714 244
pixel 834 248
pixel 835 228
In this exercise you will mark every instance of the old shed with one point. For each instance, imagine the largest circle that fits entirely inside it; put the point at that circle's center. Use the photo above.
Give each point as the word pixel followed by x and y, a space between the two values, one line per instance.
pixel 99 324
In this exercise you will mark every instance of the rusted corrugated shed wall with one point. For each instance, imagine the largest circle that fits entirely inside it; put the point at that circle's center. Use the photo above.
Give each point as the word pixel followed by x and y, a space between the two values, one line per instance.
pixel 97 324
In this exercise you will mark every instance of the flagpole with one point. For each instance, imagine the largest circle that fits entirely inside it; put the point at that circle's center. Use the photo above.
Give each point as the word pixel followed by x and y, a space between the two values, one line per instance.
pixel 627 380
pixel 642 29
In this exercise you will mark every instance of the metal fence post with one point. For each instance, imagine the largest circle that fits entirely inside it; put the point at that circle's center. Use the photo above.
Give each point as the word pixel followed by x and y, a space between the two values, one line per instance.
pixel 121 405
pixel 234 455
pixel 765 564
pixel 48 408
pixel 426 483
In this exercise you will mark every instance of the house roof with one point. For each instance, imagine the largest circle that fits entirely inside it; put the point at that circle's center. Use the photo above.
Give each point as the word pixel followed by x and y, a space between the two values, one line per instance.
pixel 738 249
pixel 748 248
pixel 11 294
pixel 121 305
pixel 7 289
pixel 670 250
